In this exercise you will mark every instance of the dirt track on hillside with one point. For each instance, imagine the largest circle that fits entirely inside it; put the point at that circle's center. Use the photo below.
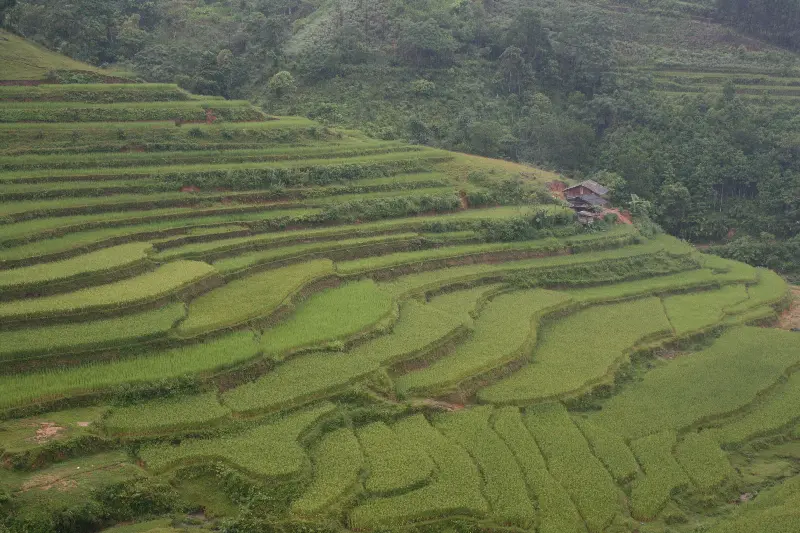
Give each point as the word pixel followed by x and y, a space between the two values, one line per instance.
pixel 791 317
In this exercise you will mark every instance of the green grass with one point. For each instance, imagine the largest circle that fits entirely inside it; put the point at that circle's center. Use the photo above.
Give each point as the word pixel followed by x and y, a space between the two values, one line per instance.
pixel 393 464
pixel 164 281
pixel 59 339
pixel 611 449
pixel 456 490
pixel 560 366
pixel 166 415
pixel 308 377
pixel 157 365
pixel 704 462
pixel 770 290
pixel 663 475
pixel 116 258
pixel 329 316
pixel 338 462
pixel 776 510
pixel 95 93
pixel 19 435
pixel 696 311
pixel 504 483
pixel 556 510
pixel 464 303
pixel 257 296
pixel 504 331
pixel 24 60
pixel 571 462
pixel 161 525
pixel 269 451
pixel 192 110
pixel 720 379
pixel 770 413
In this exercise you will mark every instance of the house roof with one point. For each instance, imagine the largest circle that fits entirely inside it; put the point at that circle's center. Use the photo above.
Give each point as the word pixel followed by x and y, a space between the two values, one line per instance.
pixel 593 186
pixel 592 199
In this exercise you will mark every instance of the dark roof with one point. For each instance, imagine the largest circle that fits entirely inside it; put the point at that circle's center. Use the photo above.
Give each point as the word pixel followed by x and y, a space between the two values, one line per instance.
pixel 592 186
pixel 592 199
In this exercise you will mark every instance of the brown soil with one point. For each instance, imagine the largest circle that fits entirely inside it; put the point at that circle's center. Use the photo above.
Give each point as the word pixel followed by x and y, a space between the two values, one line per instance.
pixel 790 318
pixel 47 482
pixel 47 431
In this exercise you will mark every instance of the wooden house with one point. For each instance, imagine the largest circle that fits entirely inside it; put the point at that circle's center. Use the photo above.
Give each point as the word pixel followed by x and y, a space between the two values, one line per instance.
pixel 584 188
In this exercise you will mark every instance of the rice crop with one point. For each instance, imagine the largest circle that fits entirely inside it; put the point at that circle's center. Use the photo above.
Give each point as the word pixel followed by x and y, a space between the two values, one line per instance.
pixel 199 411
pixel 338 462
pixel 504 484
pixel 112 259
pixel 156 365
pixel 255 296
pixel 768 414
pixel 456 490
pixel 308 377
pixel 703 461
pixel 163 281
pixel 95 93
pixel 663 475
pixel 556 510
pixel 776 510
pixel 611 449
pixel 504 331
pixel 393 464
pixel 59 339
pixel 571 462
pixel 465 303
pixel 720 379
pixel 332 315
pixel 191 110
pixel 769 290
pixel 560 367
pixel 269 451
pixel 697 311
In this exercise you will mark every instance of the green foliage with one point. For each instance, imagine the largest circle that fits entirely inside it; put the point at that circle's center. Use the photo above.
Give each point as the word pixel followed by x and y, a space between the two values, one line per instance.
pixel 774 511
pixel 249 298
pixel 504 331
pixel 94 93
pixel 337 462
pixel 560 367
pixel 783 256
pixel 663 475
pixel 571 462
pixel 165 415
pixel 393 464
pixel 504 483
pixel 730 373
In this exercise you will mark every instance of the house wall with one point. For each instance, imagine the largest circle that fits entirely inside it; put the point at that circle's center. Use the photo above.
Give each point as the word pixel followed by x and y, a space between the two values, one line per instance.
pixel 577 191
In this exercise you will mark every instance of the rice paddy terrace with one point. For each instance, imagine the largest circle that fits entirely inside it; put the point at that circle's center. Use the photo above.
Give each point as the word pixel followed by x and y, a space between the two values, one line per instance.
pixel 204 308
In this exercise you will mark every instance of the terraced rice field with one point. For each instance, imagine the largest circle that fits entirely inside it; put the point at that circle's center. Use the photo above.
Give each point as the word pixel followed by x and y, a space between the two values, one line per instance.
pixel 234 308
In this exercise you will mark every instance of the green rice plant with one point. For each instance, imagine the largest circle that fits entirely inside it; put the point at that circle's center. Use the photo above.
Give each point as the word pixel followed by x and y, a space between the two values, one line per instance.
pixel 241 263
pixel 770 413
pixel 771 289
pixel 191 110
pixel 330 316
pixel 94 93
pixel 117 258
pixel 696 311
pixel 465 304
pixel 269 450
pixel 557 512
pixel 393 464
pixel 754 316
pixel 560 367
pixel 309 377
pixel 571 462
pixel 776 510
pixel 703 277
pixel 504 483
pixel 456 489
pixel 720 379
pixel 505 330
pixel 59 339
pixel 611 449
pixel 704 462
pixel 156 365
pixel 166 415
pixel 166 280
pixel 256 296
pixel 338 462
pixel 663 475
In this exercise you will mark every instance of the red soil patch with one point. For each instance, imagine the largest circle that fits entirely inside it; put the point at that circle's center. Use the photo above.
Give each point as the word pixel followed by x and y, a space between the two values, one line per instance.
pixel 47 431
pixel 790 319
pixel 622 217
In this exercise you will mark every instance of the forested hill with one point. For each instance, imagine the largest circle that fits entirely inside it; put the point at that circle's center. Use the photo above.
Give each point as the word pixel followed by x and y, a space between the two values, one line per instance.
pixel 688 105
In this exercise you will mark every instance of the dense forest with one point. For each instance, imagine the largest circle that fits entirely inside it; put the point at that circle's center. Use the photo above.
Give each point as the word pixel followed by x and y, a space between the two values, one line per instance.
pixel 542 82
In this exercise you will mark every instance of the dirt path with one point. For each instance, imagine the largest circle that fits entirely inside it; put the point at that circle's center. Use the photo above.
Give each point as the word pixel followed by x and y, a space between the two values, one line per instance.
pixel 791 317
